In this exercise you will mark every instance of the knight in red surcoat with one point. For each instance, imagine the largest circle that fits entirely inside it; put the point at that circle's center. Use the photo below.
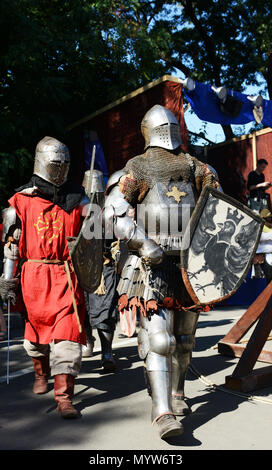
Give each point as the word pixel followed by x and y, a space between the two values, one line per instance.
pixel 41 215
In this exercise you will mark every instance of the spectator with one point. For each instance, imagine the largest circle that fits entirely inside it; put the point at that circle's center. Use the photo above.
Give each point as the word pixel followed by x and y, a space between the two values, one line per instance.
pixel 102 304
pixel 102 309
pixel 263 257
pixel 258 198
pixel 3 327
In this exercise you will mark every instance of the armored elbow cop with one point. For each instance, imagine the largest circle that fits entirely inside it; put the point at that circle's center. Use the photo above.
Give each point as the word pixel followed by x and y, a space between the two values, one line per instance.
pixel 119 223
pixel 151 253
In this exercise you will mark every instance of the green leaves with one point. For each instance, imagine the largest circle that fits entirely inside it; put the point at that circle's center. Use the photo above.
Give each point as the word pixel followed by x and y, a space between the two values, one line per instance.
pixel 19 165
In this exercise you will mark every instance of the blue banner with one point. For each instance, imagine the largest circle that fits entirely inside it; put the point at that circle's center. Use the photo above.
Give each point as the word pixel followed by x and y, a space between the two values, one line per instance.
pixel 100 161
pixel 206 105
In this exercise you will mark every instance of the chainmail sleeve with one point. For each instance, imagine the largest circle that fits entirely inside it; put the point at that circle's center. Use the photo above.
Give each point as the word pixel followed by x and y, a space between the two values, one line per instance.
pixel 204 176
pixel 133 185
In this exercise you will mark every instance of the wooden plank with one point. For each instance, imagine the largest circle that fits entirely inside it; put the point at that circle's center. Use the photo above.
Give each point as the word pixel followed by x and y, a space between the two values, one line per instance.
pixel 254 151
pixel 256 342
pixel 244 378
pixel 249 317
pixel 242 137
pixel 236 350
pixel 257 379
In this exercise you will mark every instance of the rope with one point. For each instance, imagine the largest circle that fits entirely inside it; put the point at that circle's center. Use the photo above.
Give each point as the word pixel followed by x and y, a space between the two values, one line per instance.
pixel 72 294
pixel 206 381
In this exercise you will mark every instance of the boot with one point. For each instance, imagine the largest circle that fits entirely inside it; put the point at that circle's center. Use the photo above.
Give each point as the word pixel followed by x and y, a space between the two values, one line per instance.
pixel 42 373
pixel 168 426
pixel 87 351
pixel 179 406
pixel 108 362
pixel 64 392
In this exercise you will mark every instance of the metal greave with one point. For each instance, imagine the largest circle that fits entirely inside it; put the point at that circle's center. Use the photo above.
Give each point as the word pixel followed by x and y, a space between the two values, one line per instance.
pixel 184 330
pixel 158 361
pixel 160 383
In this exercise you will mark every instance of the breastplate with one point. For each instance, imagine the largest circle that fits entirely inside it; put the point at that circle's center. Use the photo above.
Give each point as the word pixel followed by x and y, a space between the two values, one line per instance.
pixel 165 213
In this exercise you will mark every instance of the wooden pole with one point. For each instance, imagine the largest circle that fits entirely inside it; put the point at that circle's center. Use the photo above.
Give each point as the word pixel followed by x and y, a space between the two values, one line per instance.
pixel 254 150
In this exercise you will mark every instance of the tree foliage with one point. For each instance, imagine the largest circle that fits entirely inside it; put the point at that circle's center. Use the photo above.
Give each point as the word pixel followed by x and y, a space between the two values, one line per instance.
pixel 215 41
pixel 58 63
pixel 219 41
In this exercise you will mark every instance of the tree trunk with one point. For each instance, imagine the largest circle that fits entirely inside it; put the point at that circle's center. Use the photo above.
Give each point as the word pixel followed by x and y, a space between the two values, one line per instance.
pixel 269 74
pixel 228 131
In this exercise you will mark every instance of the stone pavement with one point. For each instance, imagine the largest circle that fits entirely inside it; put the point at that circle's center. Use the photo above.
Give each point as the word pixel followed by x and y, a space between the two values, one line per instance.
pixel 115 408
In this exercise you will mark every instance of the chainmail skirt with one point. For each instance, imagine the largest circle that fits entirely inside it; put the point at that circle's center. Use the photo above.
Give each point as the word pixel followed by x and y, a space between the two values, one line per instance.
pixel 148 289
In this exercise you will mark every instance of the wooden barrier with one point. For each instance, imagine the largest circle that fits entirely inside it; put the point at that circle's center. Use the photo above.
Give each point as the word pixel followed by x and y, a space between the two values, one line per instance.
pixel 244 378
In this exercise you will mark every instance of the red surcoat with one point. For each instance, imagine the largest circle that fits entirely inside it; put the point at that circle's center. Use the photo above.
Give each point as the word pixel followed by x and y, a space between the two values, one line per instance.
pixel 46 294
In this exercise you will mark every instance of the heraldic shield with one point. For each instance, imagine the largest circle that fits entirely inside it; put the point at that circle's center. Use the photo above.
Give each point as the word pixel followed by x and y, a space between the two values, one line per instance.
pixel 219 245
pixel 86 253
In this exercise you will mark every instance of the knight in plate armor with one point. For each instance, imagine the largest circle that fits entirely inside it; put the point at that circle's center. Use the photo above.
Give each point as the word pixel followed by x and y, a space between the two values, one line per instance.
pixel 42 215
pixel 102 303
pixel 148 204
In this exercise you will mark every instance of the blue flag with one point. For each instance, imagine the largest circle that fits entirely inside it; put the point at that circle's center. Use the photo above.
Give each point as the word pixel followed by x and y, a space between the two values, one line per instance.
pixel 100 161
pixel 206 105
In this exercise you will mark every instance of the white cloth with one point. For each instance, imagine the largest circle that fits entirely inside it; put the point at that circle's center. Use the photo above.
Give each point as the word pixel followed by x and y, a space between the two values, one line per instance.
pixel 65 355
pixel 265 246
pixel 268 258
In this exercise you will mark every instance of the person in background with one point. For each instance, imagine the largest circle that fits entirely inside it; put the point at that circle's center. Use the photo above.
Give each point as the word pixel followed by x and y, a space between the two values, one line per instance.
pixel 263 257
pixel 101 305
pixel 257 185
pixel 3 327
pixel 102 310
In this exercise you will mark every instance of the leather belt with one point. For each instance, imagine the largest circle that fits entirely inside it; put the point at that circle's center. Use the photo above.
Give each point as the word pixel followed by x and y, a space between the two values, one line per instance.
pixel 46 261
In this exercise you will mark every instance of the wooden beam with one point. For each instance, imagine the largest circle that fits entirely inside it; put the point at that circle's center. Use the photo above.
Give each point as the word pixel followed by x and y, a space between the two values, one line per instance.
pixel 236 350
pixel 242 137
pixel 249 317
pixel 260 378
pixel 254 151
pixel 244 378
pixel 256 342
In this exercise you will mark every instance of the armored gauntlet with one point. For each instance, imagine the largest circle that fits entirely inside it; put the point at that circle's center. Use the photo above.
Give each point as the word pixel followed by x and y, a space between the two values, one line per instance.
pixel 8 289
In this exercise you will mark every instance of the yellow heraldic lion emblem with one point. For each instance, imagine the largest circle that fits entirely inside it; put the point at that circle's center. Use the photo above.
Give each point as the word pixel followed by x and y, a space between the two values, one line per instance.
pixel 49 226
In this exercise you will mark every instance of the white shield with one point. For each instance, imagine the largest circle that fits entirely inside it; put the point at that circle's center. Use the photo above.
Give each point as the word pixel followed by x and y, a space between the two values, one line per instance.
pixel 224 235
